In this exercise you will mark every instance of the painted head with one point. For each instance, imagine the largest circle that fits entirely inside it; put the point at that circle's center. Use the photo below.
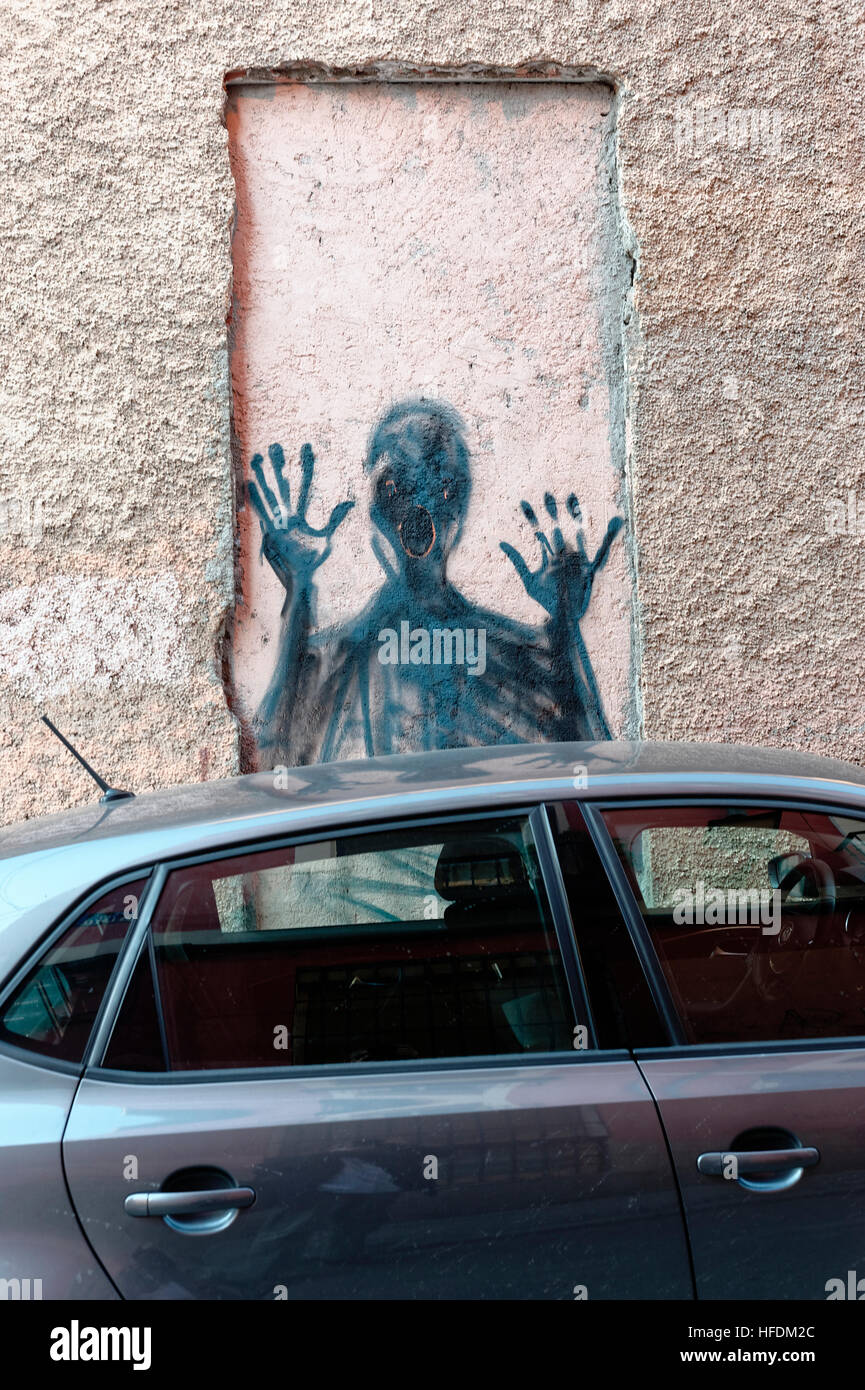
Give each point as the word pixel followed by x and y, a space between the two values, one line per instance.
pixel 421 482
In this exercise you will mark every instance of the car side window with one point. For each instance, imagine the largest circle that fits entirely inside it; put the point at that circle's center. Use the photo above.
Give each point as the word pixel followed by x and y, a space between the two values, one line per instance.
pixel 757 916
pixel 54 1008
pixel 422 942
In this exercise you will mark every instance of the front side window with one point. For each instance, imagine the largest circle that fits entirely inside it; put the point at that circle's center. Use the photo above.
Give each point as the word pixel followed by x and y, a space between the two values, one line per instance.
pixel 53 1010
pixel 757 916
pixel 414 943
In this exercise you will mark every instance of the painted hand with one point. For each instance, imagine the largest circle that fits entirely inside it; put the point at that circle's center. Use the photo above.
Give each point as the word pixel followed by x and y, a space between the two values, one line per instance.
pixel 563 582
pixel 293 548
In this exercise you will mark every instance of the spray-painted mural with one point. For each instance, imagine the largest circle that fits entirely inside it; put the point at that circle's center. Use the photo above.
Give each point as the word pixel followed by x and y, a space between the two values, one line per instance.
pixel 421 666
pixel 462 582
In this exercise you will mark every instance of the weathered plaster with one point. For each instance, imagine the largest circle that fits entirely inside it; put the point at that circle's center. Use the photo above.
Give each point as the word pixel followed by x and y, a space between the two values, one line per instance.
pixel 744 395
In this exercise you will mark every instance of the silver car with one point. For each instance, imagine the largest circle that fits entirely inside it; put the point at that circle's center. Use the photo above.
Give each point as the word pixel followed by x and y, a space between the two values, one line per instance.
pixel 553 1021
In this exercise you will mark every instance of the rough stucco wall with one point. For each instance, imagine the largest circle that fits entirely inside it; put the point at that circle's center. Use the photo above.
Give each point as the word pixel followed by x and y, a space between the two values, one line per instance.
pixel 744 394
pixel 455 241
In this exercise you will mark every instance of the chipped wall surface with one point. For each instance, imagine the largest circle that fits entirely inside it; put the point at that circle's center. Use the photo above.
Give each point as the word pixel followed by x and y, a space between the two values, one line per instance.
pixel 737 161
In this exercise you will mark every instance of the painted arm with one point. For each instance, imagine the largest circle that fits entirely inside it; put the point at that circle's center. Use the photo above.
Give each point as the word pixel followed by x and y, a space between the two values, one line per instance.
pixel 562 585
pixel 294 550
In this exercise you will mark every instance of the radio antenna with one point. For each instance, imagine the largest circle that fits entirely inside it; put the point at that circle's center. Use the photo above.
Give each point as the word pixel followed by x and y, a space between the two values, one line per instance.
pixel 108 793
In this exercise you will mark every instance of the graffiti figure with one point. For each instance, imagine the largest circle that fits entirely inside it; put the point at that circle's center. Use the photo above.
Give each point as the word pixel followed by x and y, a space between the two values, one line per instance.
pixel 420 666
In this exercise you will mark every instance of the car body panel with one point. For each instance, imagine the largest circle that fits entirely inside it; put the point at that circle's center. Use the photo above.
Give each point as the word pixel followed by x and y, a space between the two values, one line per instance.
pixel 550 1177
pixel 768 1244
pixel 41 1238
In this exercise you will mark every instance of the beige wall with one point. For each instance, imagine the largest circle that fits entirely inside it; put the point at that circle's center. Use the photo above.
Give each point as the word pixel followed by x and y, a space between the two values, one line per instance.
pixel 739 165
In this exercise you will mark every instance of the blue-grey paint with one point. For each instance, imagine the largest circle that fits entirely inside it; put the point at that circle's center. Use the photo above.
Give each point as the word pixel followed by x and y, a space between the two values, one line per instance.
pixel 334 690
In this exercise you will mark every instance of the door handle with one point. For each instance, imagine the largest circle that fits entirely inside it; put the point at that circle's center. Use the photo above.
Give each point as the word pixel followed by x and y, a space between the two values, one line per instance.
pixel 758 1160
pixel 187 1203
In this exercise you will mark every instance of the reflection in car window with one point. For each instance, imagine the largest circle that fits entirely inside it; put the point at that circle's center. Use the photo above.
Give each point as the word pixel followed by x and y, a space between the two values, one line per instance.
pixel 54 1009
pixel 757 916
pixel 425 942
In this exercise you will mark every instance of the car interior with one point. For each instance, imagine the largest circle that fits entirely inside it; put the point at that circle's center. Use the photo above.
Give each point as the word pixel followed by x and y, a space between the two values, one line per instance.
pixel 789 964
pixel 482 978
pixel 56 1005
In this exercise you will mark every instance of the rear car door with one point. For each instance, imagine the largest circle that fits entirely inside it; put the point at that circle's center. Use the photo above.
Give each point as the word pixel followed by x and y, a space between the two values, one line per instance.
pixel 364 1066
pixel 751 920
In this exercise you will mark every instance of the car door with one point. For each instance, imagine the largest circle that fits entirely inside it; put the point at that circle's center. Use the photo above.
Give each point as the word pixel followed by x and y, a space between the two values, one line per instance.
pixel 751 918
pixel 364 1066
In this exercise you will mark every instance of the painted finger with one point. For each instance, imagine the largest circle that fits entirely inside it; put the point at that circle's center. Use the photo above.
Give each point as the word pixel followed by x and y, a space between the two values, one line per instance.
pixel 576 512
pixel 337 517
pixel 550 504
pixel 277 463
pixel 269 497
pixel 613 530
pixel 307 468
pixel 263 514
pixel 518 562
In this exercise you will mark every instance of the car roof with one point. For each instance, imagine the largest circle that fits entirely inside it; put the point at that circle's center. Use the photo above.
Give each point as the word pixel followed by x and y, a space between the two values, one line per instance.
pixel 611 768
pixel 50 865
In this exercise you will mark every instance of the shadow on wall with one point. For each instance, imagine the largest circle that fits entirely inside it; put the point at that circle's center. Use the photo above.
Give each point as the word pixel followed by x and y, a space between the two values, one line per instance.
pixel 420 666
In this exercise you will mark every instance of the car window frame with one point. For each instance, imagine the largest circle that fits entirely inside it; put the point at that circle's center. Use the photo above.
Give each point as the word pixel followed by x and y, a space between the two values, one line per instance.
pixel 49 939
pixel 552 881
pixel 678 1045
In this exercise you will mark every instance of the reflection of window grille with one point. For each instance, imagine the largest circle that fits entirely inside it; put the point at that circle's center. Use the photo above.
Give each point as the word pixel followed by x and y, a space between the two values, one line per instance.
pixel 444 1008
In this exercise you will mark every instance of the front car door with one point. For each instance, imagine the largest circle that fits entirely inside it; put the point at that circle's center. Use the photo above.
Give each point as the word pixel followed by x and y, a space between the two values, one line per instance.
pixel 365 1066
pixel 47 1012
pixel 751 919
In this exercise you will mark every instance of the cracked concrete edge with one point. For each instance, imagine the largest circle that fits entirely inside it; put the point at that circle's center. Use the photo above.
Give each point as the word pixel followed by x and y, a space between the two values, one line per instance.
pixel 622 345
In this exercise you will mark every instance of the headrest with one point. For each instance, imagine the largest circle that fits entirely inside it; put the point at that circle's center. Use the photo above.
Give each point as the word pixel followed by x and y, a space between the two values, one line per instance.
pixel 472 869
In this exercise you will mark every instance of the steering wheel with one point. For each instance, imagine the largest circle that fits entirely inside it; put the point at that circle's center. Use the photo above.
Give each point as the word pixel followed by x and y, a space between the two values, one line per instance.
pixel 777 961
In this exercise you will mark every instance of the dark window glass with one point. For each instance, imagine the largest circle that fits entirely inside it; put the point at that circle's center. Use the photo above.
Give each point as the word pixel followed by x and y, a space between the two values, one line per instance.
pixel 417 943
pixel 136 1042
pixel 757 915
pixel 54 1009
pixel 622 1004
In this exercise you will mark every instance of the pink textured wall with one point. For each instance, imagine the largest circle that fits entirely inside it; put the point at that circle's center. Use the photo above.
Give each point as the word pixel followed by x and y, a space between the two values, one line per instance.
pixel 456 242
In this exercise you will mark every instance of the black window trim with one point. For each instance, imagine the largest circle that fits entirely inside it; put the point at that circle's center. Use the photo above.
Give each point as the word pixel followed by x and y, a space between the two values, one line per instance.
pixel 607 870
pixel 678 1045
pixel 537 817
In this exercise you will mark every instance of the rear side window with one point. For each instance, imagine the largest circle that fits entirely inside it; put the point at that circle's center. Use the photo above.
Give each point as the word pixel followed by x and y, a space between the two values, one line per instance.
pixel 53 1010
pixel 428 942
pixel 756 913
